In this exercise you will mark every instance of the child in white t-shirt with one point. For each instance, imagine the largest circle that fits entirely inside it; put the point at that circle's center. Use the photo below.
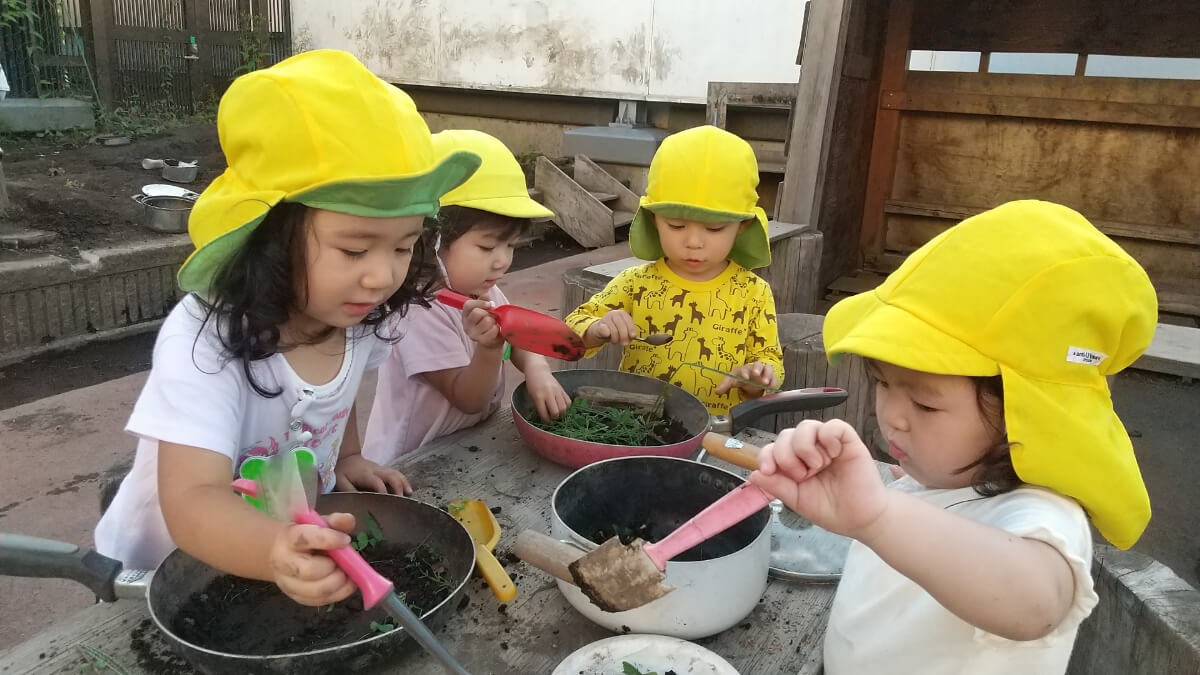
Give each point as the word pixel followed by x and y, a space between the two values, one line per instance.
pixel 303 246
pixel 448 371
pixel 990 347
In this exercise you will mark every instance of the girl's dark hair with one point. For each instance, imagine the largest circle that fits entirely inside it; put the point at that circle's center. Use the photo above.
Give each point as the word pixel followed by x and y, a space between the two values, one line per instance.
pixel 258 288
pixel 455 221
pixel 993 473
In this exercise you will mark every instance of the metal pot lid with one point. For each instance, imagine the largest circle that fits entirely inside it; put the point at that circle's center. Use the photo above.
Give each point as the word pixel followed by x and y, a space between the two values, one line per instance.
pixel 800 550
pixel 164 190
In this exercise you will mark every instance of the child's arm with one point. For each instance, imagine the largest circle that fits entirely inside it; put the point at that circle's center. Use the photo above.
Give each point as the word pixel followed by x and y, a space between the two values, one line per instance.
pixel 548 395
pixel 605 318
pixel 355 472
pixel 764 356
pixel 209 521
pixel 470 388
pixel 1011 586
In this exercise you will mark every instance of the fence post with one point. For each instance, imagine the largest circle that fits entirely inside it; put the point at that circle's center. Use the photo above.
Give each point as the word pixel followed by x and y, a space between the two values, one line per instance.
pixel 100 19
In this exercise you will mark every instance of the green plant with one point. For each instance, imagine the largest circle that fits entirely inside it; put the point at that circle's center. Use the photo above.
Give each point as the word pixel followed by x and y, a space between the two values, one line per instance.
pixel 97 661
pixel 605 424
pixel 252 49
pixel 369 538
pixel 455 508
pixel 385 626
pixel 628 668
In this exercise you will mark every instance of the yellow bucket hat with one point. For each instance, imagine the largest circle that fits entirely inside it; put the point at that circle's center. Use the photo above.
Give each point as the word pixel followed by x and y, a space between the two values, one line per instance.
pixel 499 184
pixel 1032 292
pixel 321 130
pixel 707 175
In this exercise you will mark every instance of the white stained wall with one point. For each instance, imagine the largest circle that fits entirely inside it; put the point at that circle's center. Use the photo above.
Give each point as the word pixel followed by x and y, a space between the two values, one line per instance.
pixel 658 50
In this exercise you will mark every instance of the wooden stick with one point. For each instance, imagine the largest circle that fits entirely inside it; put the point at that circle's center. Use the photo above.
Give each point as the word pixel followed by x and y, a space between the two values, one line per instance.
pixel 643 403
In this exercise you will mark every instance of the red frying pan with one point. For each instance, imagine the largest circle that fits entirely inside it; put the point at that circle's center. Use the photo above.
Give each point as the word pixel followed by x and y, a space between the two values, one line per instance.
pixel 526 329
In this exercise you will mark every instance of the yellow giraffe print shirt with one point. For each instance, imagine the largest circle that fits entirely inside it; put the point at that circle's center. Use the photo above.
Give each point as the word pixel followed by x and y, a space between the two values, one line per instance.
pixel 723 323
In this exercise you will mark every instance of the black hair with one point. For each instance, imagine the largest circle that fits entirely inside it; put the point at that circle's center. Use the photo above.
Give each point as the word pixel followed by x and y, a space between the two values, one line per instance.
pixel 455 221
pixel 255 291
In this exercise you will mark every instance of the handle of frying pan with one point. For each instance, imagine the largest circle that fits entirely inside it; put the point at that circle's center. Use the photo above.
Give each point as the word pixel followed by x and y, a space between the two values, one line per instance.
pixel 731 450
pixel 23 556
pixel 793 400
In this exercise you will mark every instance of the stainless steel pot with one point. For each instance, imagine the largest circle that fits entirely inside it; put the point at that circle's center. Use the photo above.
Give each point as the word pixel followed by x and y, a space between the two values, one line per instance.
pixel 165 213
pixel 717 584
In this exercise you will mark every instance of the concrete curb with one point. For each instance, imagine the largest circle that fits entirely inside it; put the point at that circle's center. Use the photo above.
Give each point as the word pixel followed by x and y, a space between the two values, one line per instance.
pixel 51 303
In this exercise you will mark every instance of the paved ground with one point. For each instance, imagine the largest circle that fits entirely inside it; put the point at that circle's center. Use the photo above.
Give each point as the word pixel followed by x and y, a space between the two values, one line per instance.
pixel 56 450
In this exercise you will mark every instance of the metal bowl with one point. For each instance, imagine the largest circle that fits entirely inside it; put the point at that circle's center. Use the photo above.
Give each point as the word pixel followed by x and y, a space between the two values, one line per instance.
pixel 165 213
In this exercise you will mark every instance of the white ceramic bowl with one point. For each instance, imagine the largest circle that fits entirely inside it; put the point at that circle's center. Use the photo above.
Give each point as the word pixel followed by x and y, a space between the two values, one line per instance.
pixel 650 653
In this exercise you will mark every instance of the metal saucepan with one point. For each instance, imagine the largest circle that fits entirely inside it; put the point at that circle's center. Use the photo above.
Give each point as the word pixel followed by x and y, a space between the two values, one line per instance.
pixel 717 583
pixel 165 213
pixel 404 521
pixel 680 406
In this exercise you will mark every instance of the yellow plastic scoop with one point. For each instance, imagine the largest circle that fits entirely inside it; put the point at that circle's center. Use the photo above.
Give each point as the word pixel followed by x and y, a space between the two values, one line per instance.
pixel 477 518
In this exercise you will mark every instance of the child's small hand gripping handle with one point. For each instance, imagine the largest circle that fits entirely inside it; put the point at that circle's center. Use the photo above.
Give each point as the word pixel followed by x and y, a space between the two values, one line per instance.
pixel 371 584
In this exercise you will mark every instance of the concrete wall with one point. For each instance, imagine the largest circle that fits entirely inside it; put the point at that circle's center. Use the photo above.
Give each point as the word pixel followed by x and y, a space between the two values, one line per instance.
pixel 51 303
pixel 658 50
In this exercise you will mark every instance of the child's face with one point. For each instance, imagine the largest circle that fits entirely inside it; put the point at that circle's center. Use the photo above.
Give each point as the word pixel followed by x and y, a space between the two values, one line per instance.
pixel 696 251
pixel 477 260
pixel 354 264
pixel 933 424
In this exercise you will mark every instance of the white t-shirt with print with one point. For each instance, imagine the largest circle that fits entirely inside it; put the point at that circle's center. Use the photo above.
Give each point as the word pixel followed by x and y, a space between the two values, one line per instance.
pixel 408 411
pixel 883 622
pixel 197 396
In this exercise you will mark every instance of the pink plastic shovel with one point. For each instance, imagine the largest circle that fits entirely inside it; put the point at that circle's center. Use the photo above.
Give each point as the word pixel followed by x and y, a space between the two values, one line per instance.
pixel 288 493
pixel 619 577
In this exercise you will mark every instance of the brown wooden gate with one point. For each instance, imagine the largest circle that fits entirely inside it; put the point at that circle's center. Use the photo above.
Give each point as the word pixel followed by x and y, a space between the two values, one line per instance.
pixel 182 54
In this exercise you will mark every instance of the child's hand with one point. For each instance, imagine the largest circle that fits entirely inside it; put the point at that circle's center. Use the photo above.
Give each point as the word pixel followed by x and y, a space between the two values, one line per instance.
pixel 548 395
pixel 755 372
pixel 480 325
pixel 355 472
pixel 616 327
pixel 302 571
pixel 824 472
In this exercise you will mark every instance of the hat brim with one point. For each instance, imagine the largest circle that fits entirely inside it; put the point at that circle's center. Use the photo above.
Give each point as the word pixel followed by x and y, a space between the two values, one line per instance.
pixel 392 197
pixel 863 324
pixel 751 249
pixel 513 207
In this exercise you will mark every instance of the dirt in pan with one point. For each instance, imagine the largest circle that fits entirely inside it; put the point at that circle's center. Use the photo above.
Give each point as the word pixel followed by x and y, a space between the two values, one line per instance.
pixel 243 616
pixel 82 191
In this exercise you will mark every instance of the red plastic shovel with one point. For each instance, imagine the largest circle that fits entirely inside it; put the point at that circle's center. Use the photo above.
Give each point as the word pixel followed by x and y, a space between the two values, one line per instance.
pixel 526 329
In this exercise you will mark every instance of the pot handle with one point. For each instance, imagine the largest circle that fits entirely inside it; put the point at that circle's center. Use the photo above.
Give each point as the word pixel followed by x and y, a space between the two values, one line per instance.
pixel 139 198
pixel 547 554
pixel 793 400
pixel 24 556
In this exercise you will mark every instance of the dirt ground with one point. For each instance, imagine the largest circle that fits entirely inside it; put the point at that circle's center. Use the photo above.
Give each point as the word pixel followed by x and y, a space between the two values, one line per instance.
pixel 82 192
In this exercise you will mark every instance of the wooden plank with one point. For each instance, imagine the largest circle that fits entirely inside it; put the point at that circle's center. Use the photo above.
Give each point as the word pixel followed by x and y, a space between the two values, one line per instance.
pixel 1117 89
pixel 1144 28
pixel 1111 228
pixel 577 212
pixel 885 139
pixel 591 176
pixel 622 218
pixel 808 144
pixel 603 197
pixel 1175 350
pixel 1125 175
pixel 1185 117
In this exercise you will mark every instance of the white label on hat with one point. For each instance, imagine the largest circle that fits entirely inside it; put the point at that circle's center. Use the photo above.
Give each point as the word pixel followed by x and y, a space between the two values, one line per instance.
pixel 1085 356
